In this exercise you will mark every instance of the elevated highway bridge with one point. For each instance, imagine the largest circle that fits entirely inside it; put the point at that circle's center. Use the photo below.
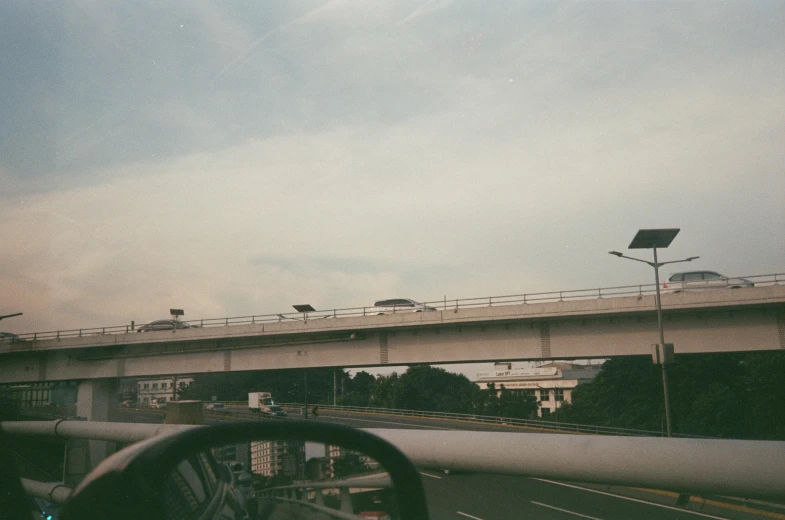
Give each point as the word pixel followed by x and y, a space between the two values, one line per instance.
pixel 721 320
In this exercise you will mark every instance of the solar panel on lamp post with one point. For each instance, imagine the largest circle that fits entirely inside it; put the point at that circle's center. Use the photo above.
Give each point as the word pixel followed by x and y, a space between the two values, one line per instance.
pixel 654 239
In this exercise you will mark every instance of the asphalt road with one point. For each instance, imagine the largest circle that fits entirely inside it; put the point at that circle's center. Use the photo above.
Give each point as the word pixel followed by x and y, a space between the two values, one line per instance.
pixel 502 497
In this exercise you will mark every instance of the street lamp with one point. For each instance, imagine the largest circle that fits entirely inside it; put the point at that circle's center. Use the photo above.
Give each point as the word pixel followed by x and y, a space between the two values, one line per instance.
pixel 653 239
pixel 305 308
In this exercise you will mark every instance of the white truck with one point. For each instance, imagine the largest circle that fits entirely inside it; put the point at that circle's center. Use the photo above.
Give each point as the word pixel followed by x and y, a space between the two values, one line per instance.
pixel 259 400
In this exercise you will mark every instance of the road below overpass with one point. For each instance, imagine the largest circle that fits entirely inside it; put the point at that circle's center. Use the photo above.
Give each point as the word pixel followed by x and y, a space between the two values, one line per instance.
pixel 502 497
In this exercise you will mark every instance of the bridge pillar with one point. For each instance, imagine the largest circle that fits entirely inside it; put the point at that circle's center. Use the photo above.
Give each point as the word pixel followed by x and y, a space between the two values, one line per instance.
pixel 97 400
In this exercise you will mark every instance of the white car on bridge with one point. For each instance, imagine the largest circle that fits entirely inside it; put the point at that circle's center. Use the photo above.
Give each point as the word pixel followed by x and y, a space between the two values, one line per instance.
pixel 703 280
pixel 398 305
pixel 165 325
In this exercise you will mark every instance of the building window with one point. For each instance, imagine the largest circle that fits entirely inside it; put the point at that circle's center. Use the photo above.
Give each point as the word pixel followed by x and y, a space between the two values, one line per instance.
pixel 545 395
pixel 558 394
pixel 530 393
pixel 546 411
pixel 155 386
pixel 147 386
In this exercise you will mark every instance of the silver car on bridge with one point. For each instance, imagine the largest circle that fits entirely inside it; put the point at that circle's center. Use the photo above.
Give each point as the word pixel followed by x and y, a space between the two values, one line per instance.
pixel 398 305
pixel 703 280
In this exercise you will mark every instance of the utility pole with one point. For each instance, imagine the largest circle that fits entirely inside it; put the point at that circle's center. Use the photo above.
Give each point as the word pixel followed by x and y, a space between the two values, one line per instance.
pixel 663 353
pixel 305 382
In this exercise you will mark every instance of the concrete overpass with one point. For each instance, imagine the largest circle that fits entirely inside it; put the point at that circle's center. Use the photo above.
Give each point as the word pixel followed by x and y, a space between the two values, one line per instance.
pixel 722 320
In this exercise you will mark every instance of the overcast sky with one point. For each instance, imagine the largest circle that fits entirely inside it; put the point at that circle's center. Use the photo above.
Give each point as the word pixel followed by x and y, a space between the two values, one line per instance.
pixel 235 158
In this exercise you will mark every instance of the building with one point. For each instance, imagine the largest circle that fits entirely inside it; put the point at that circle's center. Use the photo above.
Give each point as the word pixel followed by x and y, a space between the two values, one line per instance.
pixel 550 383
pixel 278 457
pixel 148 390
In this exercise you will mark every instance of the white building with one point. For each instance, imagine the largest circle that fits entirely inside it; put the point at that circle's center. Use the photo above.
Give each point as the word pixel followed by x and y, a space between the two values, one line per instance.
pixel 551 383
pixel 148 390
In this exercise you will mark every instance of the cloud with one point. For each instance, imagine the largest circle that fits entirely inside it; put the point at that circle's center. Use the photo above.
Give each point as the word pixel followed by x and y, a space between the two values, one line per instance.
pixel 349 158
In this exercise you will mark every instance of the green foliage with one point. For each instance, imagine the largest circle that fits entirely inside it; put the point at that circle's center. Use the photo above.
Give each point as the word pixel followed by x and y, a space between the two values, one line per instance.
pixel 424 387
pixel 285 385
pixel 512 404
pixel 427 388
pixel 737 395
pixel 348 465
pixel 358 389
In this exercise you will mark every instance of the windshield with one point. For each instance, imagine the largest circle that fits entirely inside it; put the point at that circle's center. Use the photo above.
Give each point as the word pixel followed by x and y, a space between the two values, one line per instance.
pixel 205 200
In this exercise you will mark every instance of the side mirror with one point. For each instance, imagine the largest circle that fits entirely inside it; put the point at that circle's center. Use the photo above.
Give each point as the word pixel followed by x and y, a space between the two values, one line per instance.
pixel 254 470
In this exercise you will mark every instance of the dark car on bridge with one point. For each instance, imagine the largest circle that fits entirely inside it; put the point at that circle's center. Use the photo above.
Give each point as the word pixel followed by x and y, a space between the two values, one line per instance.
pixel 165 325
pixel 8 337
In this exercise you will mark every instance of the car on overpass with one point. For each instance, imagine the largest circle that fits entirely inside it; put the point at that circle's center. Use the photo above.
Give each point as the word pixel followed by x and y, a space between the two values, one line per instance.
pixel 703 280
pixel 217 408
pixel 165 325
pixel 394 305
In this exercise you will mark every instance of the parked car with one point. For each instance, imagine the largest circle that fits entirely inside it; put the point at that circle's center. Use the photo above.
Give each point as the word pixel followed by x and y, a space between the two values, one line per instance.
pixel 165 325
pixel 217 407
pixel 399 305
pixel 701 280
pixel 128 403
pixel 273 411
pixel 7 337
pixel 158 405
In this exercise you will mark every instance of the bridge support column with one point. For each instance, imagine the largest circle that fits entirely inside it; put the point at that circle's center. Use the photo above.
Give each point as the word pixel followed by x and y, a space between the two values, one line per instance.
pixel 97 400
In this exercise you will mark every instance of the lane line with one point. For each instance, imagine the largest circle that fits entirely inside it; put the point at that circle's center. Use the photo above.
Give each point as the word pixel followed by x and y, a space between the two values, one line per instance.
pixel 726 505
pixel 429 475
pixel 469 516
pixel 631 499
pixel 565 511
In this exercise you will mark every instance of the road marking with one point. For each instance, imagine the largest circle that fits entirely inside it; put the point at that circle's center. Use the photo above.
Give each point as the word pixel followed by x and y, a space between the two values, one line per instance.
pixel 469 516
pixel 726 505
pixel 630 499
pixel 429 475
pixel 565 511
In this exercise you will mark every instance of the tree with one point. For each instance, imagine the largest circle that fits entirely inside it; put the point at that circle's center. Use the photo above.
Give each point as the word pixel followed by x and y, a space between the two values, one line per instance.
pixel 491 405
pixel 514 404
pixel 359 389
pixel 424 387
pixel 285 385
pixel 384 391
pixel 736 395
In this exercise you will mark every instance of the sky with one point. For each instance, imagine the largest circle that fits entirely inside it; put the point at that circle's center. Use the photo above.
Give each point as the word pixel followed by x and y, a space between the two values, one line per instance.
pixel 238 157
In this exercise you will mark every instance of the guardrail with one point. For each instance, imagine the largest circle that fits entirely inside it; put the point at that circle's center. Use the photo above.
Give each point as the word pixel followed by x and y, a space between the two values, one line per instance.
pixel 751 469
pixel 542 424
pixel 296 494
pixel 760 280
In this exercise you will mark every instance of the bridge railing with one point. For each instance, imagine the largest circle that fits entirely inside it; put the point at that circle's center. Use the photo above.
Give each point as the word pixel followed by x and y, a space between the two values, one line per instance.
pixel 751 469
pixel 539 424
pixel 759 280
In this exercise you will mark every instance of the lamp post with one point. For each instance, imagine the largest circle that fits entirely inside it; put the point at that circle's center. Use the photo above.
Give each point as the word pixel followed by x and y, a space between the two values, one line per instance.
pixel 305 308
pixel 653 239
